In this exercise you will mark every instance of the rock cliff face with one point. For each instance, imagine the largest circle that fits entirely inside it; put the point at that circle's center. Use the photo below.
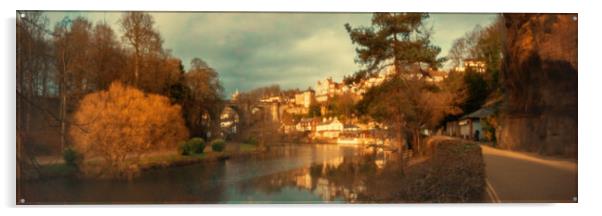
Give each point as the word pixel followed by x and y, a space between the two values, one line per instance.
pixel 539 76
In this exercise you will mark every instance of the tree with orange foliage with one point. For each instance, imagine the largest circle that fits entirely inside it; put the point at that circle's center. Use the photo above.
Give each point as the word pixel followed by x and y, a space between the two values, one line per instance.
pixel 122 123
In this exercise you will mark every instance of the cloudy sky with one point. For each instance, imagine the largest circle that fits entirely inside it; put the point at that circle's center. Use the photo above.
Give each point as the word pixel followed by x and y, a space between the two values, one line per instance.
pixel 294 50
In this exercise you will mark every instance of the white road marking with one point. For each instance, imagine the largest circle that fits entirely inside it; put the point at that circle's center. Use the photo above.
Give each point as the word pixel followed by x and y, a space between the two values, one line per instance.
pixel 491 192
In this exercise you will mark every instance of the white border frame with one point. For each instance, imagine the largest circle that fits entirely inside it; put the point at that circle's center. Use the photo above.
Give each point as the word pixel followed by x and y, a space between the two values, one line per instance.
pixel 589 105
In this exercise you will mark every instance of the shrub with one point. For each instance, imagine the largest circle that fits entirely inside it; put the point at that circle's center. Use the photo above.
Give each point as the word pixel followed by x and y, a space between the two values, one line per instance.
pixel 251 140
pixel 197 145
pixel 218 145
pixel 122 123
pixel 71 157
pixel 185 148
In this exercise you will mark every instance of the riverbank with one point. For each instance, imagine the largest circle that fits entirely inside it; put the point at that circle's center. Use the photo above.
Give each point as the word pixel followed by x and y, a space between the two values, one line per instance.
pixel 51 167
pixel 285 173
pixel 451 170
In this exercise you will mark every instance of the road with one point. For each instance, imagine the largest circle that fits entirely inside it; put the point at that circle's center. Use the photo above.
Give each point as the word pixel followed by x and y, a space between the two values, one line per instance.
pixel 520 177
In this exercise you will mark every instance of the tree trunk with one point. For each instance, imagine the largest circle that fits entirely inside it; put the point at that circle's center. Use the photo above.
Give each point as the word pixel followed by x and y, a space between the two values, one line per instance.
pixel 136 66
pixel 416 144
pixel 63 121
pixel 63 106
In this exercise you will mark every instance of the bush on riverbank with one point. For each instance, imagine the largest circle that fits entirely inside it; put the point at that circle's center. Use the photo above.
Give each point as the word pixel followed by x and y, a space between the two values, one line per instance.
pixel 108 125
pixel 72 158
pixel 195 145
pixel 218 145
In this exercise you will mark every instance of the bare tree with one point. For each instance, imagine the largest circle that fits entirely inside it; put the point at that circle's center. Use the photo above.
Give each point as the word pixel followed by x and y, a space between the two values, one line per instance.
pixel 71 41
pixel 32 62
pixel 63 52
pixel 33 67
pixel 108 57
pixel 140 36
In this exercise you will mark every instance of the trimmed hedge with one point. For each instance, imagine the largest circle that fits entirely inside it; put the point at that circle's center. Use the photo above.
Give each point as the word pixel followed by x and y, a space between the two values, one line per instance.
pixel 455 173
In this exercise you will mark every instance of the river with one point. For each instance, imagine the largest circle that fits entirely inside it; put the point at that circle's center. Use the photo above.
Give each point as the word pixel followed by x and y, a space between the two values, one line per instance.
pixel 288 174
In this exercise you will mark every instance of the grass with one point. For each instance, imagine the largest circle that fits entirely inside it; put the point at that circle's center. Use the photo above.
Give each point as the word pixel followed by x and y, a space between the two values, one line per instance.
pixel 56 170
pixel 170 158
pixel 167 160
pixel 245 147
pixel 146 162
pixel 149 161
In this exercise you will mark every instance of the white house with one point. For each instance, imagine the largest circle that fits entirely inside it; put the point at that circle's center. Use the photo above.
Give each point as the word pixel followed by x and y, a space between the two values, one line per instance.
pixel 329 129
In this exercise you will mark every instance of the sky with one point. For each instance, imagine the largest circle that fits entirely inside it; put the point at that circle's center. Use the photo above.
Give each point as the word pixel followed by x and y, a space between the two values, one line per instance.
pixel 293 50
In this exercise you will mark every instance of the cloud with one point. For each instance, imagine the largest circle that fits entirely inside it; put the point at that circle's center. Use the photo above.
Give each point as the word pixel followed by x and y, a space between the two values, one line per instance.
pixel 254 49
pixel 293 50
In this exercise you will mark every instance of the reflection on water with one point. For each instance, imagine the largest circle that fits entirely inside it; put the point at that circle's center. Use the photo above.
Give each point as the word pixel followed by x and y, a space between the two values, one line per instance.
pixel 292 174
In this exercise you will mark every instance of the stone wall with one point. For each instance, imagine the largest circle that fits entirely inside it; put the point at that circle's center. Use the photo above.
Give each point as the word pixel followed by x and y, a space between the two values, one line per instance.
pixel 545 134
pixel 539 77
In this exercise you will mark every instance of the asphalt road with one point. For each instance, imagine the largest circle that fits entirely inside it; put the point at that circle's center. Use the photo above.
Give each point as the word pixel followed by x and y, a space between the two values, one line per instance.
pixel 520 177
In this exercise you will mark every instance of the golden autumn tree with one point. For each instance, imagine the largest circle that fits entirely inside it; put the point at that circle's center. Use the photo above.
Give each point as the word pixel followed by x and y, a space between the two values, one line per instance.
pixel 122 123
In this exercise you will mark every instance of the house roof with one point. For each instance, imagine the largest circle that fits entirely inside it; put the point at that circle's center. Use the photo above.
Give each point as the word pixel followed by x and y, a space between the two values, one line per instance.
pixel 481 113
pixel 304 120
pixel 350 126
pixel 335 120
pixel 494 100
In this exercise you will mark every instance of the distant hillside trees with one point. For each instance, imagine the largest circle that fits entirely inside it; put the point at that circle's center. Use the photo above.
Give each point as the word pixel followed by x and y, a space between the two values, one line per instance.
pixel 342 106
pixel 483 44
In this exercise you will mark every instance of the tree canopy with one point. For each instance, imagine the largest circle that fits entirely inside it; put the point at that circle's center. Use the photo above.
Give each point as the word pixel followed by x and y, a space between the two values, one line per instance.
pixel 406 102
pixel 399 40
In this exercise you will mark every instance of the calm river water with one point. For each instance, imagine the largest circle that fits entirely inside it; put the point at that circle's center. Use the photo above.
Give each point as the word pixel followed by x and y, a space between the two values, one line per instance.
pixel 290 174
